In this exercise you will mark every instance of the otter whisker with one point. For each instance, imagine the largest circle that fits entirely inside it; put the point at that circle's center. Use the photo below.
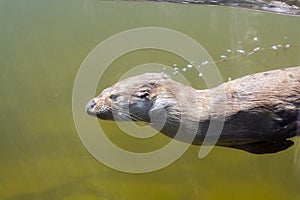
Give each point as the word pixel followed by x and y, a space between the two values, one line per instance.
pixel 127 115
pixel 135 117
pixel 132 116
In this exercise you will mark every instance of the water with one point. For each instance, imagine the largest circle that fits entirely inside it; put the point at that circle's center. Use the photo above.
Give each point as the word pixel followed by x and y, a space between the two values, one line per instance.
pixel 42 46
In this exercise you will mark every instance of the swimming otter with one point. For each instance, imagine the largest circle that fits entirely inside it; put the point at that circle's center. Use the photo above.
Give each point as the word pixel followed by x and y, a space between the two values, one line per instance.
pixel 261 111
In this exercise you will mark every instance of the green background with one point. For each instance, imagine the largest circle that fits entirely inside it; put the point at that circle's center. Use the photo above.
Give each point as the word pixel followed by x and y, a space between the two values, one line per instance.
pixel 42 45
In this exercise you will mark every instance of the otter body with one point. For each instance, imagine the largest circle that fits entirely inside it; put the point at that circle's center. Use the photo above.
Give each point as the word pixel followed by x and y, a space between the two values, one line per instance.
pixel 259 111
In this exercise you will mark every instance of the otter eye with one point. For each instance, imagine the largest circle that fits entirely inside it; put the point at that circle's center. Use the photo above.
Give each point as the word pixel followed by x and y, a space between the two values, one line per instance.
pixel 142 95
pixel 113 97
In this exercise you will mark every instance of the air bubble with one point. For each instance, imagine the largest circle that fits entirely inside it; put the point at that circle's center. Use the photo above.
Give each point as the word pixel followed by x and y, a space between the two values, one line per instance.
pixel 274 47
pixel 175 72
pixel 256 49
pixel 223 57
pixel 240 51
pixel 205 62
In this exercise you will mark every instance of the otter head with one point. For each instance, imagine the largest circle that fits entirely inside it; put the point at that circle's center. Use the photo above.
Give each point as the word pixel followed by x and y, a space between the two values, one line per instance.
pixel 136 98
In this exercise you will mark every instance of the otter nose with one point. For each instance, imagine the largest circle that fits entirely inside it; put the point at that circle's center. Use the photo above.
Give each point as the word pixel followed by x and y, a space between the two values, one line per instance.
pixel 89 107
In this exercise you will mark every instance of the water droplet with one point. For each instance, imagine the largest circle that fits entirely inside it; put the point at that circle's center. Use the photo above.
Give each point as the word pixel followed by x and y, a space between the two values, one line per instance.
pixel 223 57
pixel 274 47
pixel 189 66
pixel 184 69
pixel 240 51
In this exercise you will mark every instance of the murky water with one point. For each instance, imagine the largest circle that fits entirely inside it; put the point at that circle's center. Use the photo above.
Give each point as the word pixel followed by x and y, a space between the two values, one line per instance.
pixel 42 45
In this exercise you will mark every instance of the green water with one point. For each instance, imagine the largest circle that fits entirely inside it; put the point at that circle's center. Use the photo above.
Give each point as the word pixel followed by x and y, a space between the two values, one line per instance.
pixel 42 45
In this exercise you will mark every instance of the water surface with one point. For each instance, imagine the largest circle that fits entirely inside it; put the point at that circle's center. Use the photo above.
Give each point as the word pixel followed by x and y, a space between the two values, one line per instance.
pixel 43 44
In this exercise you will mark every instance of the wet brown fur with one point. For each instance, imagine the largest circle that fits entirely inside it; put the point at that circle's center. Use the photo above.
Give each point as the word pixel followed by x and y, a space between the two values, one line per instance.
pixel 260 110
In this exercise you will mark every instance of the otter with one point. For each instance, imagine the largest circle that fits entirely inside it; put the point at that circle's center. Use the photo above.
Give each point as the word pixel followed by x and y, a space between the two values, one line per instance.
pixel 261 112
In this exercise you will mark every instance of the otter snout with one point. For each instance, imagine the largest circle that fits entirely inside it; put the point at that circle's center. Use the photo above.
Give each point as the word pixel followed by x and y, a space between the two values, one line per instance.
pixel 90 107
pixel 99 107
